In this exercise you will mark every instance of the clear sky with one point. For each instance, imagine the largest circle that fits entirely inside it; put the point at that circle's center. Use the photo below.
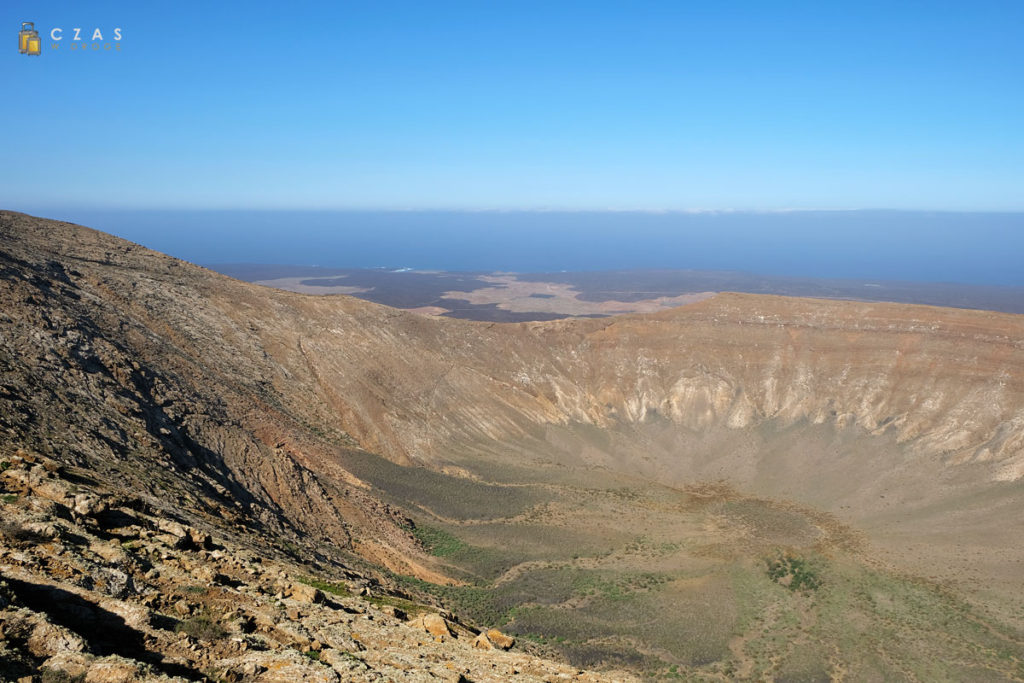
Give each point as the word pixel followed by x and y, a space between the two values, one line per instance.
pixel 518 105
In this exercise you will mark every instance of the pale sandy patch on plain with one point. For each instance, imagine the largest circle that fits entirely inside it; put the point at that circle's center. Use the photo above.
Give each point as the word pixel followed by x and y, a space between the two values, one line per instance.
pixel 428 310
pixel 517 296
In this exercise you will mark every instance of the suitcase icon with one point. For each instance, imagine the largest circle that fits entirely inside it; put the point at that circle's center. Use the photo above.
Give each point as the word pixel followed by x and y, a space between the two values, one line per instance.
pixel 29 42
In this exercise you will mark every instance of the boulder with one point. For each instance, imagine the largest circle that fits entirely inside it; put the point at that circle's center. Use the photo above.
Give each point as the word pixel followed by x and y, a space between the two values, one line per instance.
pixel 51 489
pixel 177 536
pixel 200 539
pixel 41 530
pixel 66 666
pixel 115 669
pixel 87 505
pixel 203 574
pixel 434 624
pixel 303 593
pixel 112 553
pixel 117 584
pixel 481 642
pixel 292 634
pixel 48 639
pixel 395 612
pixel 499 639
pixel 171 527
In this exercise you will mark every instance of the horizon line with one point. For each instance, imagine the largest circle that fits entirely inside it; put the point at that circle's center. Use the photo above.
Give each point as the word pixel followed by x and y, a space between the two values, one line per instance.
pixel 538 210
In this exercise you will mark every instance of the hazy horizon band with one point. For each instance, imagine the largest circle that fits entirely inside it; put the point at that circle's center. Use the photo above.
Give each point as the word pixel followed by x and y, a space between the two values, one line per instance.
pixel 924 246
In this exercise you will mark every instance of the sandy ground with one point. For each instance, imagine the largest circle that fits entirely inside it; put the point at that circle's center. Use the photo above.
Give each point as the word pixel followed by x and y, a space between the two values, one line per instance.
pixel 551 297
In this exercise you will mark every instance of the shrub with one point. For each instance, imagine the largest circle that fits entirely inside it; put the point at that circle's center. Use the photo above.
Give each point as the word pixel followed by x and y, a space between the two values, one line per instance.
pixel 202 627
pixel 793 572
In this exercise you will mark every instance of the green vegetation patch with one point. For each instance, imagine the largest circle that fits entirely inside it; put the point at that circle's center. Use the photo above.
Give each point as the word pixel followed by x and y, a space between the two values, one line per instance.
pixel 546 586
pixel 333 587
pixel 437 542
pixel 448 496
pixel 609 655
pixel 408 606
pixel 342 590
pixel 610 611
pixel 473 602
pixel 523 542
pixel 795 573
pixel 912 625
pixel 693 627
pixel 614 586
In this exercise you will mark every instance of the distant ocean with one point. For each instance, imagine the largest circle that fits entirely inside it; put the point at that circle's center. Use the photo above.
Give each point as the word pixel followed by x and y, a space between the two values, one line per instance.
pixel 978 248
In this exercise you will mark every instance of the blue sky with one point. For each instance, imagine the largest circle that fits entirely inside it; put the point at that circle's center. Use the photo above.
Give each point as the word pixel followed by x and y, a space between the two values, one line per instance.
pixel 519 105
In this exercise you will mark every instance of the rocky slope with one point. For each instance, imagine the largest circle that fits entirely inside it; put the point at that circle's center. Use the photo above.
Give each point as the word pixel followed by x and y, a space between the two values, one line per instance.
pixel 134 411
pixel 122 361
pixel 98 587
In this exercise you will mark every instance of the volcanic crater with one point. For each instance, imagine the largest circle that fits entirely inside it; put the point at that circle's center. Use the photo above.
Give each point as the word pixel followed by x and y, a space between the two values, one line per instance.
pixel 746 486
